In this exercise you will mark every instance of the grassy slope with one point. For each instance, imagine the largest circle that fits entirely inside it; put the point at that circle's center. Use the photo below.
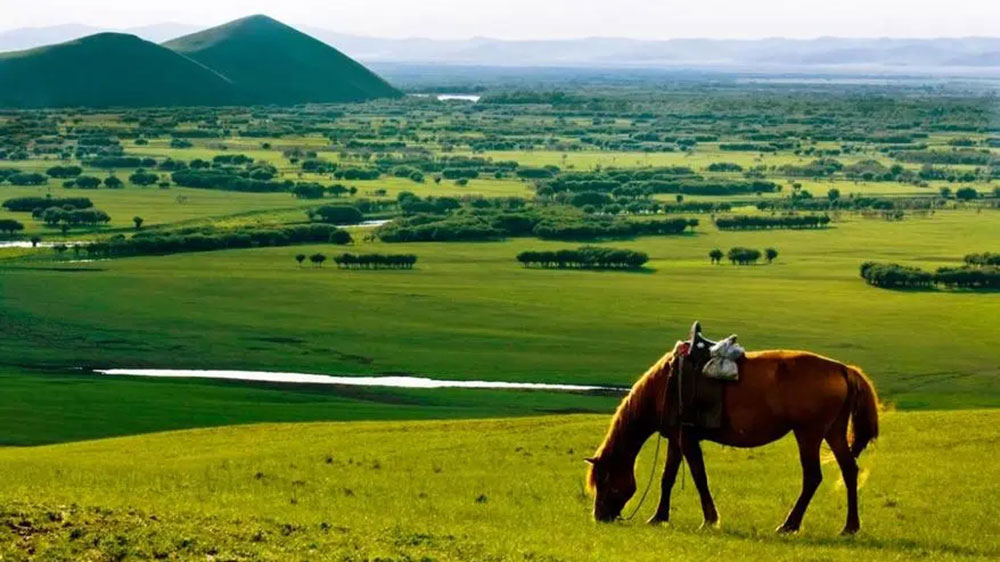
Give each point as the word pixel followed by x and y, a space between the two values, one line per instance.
pixel 39 408
pixel 479 490
pixel 107 69
pixel 469 310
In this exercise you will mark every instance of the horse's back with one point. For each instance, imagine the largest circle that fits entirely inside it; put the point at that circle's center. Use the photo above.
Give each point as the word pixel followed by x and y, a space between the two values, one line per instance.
pixel 781 390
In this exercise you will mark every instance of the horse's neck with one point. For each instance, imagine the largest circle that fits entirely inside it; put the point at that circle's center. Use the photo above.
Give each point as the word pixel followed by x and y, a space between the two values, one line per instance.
pixel 637 424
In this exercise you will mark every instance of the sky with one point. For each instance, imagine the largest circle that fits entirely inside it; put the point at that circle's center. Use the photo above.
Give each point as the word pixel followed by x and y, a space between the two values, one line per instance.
pixel 543 19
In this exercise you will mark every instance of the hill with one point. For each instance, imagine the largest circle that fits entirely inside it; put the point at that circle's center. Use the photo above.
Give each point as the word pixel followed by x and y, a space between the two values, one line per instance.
pixel 500 490
pixel 108 70
pixel 274 63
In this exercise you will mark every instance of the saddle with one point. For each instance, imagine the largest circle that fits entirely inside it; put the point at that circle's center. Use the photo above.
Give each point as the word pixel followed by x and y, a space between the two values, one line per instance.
pixel 701 371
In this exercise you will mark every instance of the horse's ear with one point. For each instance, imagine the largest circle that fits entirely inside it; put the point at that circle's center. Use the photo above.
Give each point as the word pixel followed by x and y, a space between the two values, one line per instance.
pixel 696 328
pixel 590 460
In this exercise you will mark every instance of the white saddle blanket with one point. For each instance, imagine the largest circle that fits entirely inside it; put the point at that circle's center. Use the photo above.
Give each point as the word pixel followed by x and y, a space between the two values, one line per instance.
pixel 722 364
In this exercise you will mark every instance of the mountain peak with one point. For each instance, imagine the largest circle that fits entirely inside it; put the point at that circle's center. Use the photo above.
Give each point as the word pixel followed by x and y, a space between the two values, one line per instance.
pixel 276 63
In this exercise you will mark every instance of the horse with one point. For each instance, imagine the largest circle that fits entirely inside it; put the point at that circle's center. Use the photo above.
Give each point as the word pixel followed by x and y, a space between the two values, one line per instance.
pixel 779 391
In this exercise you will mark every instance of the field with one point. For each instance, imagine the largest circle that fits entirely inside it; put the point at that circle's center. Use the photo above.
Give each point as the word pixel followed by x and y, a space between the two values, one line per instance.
pixel 477 490
pixel 96 467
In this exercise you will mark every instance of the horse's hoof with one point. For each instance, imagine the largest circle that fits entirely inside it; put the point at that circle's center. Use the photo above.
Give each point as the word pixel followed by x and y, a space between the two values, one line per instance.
pixel 710 525
pixel 850 531
pixel 657 520
pixel 787 529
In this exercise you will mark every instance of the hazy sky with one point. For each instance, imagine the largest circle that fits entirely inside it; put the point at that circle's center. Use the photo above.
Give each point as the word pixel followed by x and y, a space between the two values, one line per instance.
pixel 523 19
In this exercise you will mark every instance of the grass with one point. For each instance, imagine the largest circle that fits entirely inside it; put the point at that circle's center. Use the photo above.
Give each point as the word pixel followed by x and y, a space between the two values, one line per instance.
pixel 40 407
pixel 469 311
pixel 504 490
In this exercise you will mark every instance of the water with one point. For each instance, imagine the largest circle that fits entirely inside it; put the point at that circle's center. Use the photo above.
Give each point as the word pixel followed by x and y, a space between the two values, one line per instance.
pixel 446 97
pixel 379 381
pixel 27 244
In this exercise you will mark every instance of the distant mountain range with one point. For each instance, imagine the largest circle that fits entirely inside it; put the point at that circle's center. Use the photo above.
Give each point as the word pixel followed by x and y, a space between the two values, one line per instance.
pixel 934 55
pixel 254 60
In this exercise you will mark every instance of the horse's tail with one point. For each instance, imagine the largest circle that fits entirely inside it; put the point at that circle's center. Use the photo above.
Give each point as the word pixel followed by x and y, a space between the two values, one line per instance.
pixel 863 406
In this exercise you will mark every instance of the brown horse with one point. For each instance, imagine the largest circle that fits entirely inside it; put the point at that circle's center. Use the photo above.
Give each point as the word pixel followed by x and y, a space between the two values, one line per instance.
pixel 778 392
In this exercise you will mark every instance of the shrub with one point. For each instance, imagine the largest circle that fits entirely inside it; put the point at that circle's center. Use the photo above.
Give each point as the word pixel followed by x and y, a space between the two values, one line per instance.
pixel 743 256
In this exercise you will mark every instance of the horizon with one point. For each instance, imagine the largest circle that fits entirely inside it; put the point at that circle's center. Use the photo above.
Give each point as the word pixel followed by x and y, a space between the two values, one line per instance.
pixel 553 20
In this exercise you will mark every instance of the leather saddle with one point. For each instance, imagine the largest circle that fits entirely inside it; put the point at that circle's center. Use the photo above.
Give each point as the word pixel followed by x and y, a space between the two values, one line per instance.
pixel 694 399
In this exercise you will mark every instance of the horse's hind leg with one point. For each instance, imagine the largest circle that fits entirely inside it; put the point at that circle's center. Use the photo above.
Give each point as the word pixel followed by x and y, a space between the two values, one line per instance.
pixel 692 452
pixel 812 475
pixel 837 439
pixel 662 514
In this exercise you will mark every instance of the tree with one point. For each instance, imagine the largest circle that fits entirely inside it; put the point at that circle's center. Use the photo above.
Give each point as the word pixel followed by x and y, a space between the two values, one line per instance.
pixel 138 222
pixel 10 226
pixel 87 182
pixel 112 182
pixel 716 255
pixel 317 259
pixel 833 194
pixel 945 192
pixel 300 258
pixel 966 194
pixel 770 254
pixel 143 178
pixel 35 240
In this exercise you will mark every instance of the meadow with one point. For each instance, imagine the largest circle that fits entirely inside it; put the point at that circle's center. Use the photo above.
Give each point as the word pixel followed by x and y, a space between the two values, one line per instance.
pixel 478 490
pixel 97 467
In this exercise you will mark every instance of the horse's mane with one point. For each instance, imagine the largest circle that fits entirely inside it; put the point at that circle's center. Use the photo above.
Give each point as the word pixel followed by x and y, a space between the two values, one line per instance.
pixel 628 410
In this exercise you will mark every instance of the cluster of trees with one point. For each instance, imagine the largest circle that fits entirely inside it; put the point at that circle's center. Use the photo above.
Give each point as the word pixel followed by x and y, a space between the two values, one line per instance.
pixel 69 217
pixel 62 172
pixel 17 177
pixel 10 226
pixel 121 161
pixel 585 257
pixel 90 182
pixel 644 182
pixel 207 239
pixel 493 224
pixel 228 180
pixel 983 259
pixel 764 222
pixel 375 261
pixel 742 256
pixel 336 214
pixel 33 204
pixel 893 276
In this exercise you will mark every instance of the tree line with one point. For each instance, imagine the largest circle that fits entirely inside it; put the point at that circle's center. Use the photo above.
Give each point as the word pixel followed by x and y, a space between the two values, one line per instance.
pixel 208 239
pixel 31 204
pixel 375 261
pixel 763 222
pixel 585 257
pixel 895 276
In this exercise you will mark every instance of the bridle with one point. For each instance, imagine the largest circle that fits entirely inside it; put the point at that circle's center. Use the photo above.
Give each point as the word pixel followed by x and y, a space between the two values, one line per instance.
pixel 659 433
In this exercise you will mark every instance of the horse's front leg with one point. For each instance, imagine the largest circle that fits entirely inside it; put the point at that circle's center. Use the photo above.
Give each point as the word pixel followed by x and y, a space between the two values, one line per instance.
pixel 674 458
pixel 692 452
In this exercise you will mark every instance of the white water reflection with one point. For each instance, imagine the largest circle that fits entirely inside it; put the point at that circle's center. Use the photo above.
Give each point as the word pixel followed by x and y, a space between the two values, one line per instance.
pixel 381 381
pixel 27 244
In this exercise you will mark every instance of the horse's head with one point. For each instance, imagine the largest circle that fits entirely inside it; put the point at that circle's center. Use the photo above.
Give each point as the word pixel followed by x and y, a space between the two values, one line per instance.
pixel 613 485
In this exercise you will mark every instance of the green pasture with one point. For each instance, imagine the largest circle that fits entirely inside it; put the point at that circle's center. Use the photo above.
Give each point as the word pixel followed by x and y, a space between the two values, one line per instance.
pixel 468 310
pixel 504 490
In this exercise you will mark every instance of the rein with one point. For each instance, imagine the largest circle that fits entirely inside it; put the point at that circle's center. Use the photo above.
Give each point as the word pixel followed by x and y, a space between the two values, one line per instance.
pixel 659 438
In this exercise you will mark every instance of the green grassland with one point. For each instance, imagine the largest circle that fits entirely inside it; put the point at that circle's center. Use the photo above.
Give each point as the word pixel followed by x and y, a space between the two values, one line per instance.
pixel 479 490
pixel 95 467
pixel 470 311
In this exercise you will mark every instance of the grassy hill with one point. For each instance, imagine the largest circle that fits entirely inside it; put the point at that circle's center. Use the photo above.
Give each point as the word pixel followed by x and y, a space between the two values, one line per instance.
pixel 106 70
pixel 502 490
pixel 274 63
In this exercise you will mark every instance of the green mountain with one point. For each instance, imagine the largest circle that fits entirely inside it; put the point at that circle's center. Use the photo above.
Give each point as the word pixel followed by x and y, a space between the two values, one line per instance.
pixel 106 70
pixel 273 63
